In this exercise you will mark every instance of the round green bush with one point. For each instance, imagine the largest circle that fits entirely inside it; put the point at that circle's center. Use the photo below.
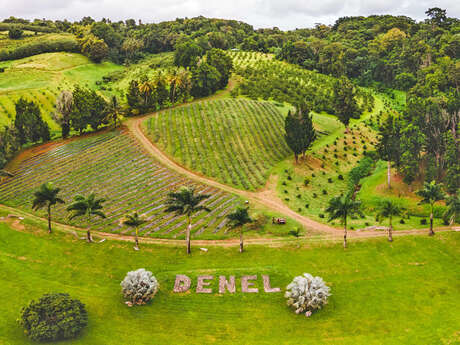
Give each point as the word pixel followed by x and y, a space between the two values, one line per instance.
pixel 53 317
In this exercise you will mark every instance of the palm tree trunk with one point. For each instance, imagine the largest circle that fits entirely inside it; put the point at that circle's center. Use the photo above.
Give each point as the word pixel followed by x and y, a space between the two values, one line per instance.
pixel 137 238
pixel 189 228
pixel 241 240
pixel 389 174
pixel 49 219
pixel 431 233
pixel 88 232
pixel 345 234
pixel 390 231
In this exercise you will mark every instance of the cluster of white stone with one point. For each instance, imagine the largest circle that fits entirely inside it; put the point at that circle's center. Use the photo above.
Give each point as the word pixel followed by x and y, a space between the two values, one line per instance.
pixel 306 294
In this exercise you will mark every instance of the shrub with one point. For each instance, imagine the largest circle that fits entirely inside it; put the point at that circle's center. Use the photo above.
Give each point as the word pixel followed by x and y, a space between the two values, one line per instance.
pixel 321 215
pixel 15 33
pixel 329 180
pixel 340 177
pixel 423 221
pixel 299 196
pixel 315 195
pixel 139 287
pixel 2 69
pixel 324 192
pixel 402 221
pixel 284 183
pixel 307 205
pixel 285 191
pixel 289 177
pixel 53 317
pixel 307 293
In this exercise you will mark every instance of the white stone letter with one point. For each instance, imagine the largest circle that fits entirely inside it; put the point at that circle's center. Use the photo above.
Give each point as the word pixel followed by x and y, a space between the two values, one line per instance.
pixel 246 285
pixel 267 287
pixel 182 283
pixel 225 284
pixel 201 283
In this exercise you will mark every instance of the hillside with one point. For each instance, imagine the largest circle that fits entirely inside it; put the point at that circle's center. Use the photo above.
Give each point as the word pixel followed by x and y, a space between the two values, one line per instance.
pixel 115 167
pixel 236 142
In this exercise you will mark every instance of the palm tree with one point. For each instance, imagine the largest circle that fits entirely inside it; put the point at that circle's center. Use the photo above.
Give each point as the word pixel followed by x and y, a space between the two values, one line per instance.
pixel 238 219
pixel 135 221
pixel 186 202
pixel 46 195
pixel 453 209
pixel 90 206
pixel 431 193
pixel 146 88
pixel 113 110
pixel 341 207
pixel 389 209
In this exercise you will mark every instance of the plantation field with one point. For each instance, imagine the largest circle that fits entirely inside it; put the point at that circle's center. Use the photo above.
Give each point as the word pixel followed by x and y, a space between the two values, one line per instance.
pixel 234 141
pixel 115 167
pixel 400 293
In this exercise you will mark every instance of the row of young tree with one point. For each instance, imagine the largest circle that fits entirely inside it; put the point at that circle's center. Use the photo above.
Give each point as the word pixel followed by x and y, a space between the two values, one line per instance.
pixel 184 202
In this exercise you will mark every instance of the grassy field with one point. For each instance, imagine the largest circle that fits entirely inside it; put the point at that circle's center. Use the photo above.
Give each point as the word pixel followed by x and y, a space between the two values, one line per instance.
pixel 406 292
pixel 114 166
pixel 29 37
pixel 41 78
pixel 236 142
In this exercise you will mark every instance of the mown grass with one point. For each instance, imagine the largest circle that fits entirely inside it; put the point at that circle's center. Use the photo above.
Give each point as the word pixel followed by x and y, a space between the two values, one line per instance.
pixel 406 292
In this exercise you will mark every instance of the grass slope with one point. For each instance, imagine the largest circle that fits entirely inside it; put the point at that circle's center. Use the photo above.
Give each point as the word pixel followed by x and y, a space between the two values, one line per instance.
pixel 401 293
pixel 42 77
pixel 235 141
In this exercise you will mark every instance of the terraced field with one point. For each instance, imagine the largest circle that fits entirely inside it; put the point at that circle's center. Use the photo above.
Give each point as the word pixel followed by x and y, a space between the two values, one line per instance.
pixel 114 166
pixel 236 142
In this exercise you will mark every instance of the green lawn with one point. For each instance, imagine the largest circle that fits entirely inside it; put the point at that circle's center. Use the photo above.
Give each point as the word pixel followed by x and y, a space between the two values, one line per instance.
pixel 406 292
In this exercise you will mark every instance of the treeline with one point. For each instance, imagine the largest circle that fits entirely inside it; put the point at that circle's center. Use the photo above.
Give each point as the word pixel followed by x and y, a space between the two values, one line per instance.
pixel 385 49
pixel 40 47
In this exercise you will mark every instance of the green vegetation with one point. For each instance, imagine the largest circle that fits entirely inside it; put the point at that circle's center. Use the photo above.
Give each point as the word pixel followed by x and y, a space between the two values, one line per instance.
pixel 116 168
pixel 236 142
pixel 409 299
pixel 41 78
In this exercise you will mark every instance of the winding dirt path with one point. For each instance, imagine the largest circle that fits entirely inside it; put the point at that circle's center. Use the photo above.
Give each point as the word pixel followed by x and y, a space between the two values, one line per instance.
pixel 16 223
pixel 265 198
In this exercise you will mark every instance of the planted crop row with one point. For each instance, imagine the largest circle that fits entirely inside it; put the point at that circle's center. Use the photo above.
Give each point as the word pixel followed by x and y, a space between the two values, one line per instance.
pixel 116 168
pixel 235 141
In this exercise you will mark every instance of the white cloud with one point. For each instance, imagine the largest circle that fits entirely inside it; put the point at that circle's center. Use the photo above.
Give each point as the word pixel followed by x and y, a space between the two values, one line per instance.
pixel 285 14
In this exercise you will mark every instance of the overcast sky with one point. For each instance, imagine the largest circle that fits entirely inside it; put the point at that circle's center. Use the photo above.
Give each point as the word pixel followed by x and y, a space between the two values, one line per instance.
pixel 285 14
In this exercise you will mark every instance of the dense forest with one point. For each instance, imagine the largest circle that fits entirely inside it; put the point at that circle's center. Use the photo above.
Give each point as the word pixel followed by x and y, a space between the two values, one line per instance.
pixel 380 52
